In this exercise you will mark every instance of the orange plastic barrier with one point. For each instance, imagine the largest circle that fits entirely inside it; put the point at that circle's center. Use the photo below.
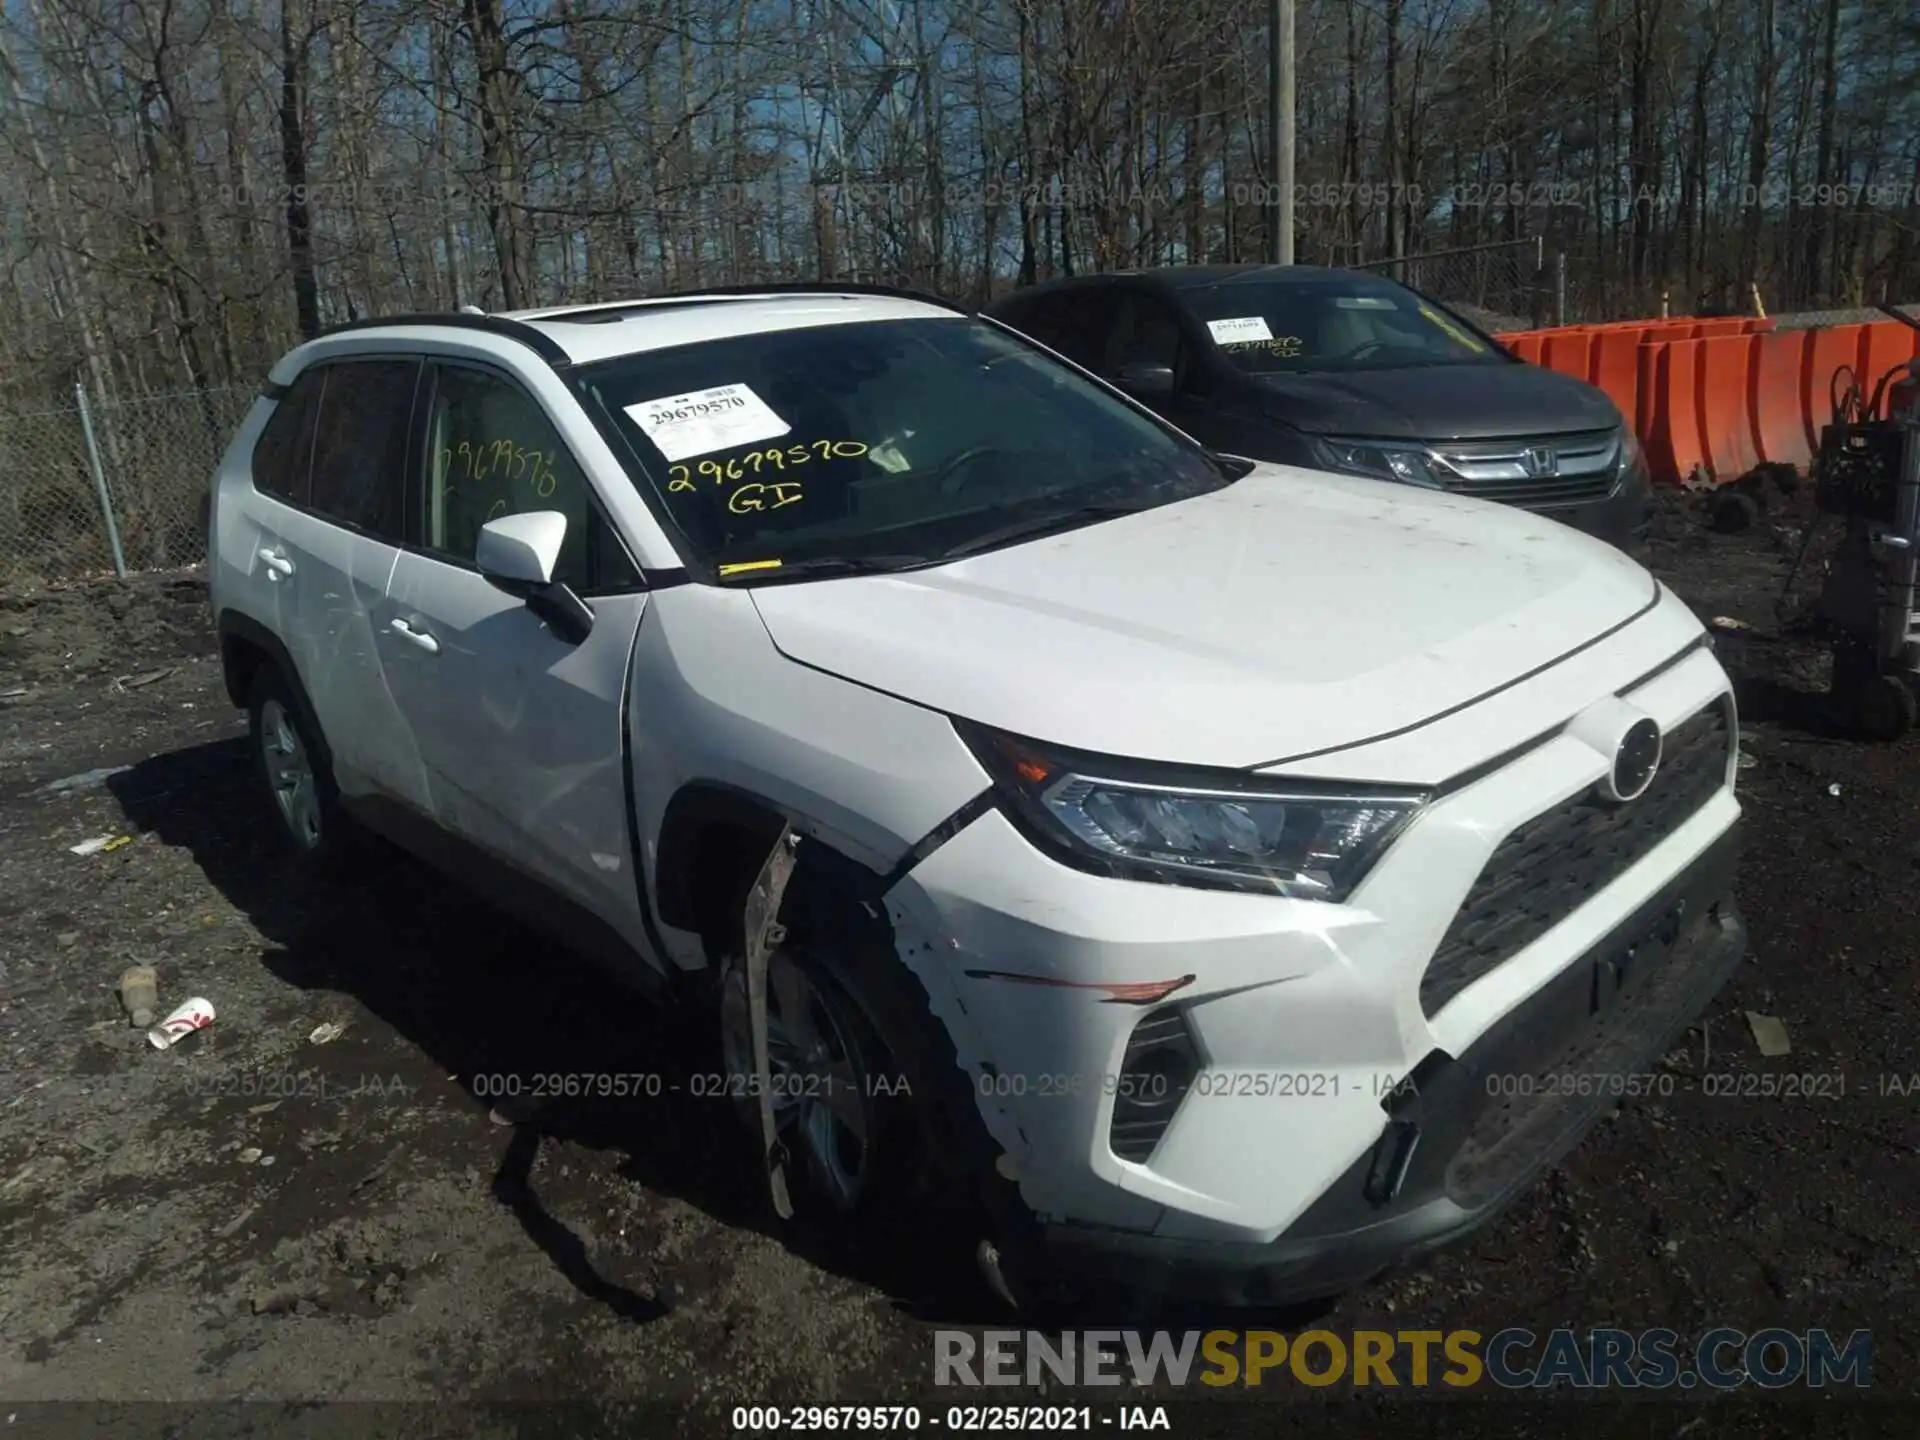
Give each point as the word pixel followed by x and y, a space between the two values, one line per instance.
pixel 1528 345
pixel 1614 365
pixel 1779 397
pixel 1669 377
pixel 1711 400
pixel 1566 351
pixel 1726 423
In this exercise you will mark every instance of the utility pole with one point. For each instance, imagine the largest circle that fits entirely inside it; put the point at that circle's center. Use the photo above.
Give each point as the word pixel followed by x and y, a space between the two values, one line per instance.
pixel 1280 130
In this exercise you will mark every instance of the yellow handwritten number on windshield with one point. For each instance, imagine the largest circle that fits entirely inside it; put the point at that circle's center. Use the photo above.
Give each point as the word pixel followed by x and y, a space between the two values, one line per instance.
pixel 749 498
pixel 681 477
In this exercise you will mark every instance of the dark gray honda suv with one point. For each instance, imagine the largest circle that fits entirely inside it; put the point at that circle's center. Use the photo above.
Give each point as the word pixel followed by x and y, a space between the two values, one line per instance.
pixel 1341 370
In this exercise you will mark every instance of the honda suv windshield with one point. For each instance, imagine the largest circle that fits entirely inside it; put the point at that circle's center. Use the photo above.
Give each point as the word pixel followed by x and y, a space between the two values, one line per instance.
pixel 880 445
pixel 1349 323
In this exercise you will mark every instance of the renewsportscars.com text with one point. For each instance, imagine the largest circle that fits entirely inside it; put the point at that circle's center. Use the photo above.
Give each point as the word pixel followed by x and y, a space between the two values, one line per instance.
pixel 1514 1358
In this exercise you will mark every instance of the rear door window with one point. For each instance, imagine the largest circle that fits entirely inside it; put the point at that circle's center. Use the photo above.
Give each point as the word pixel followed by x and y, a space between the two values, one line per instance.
pixel 284 452
pixel 360 445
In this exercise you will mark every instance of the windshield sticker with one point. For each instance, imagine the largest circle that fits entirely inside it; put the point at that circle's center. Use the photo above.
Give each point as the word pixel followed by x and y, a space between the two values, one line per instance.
pixel 760 462
pixel 702 421
pixel 744 566
pixel 1453 331
pixel 1239 330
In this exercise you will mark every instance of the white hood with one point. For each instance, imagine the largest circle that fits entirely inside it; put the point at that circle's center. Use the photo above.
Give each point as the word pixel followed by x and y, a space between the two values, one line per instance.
pixel 1290 613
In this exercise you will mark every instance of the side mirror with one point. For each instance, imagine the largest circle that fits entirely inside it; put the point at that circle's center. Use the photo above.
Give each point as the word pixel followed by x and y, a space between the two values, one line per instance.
pixel 519 554
pixel 1145 380
pixel 518 550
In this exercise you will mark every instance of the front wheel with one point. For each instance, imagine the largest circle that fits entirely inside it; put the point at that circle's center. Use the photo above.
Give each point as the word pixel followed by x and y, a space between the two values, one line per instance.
pixel 828 1076
pixel 879 1131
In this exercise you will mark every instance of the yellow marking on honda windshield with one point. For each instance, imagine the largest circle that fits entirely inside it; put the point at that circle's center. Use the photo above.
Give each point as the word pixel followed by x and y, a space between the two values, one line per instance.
pixel 1453 331
pixel 743 566
pixel 1287 347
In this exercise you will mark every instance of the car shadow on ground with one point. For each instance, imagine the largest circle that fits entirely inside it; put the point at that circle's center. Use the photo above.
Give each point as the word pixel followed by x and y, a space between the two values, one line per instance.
pixel 480 995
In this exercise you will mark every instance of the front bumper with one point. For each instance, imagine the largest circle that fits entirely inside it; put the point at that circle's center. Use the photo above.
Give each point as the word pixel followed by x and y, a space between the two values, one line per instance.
pixel 1624 519
pixel 1303 1015
pixel 1467 1135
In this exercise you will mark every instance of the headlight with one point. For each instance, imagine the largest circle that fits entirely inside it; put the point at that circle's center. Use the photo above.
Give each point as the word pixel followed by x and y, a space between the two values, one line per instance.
pixel 1632 456
pixel 1227 829
pixel 1405 464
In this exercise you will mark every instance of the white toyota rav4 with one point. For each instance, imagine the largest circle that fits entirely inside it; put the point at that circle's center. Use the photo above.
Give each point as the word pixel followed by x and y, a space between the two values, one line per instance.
pixel 1232 877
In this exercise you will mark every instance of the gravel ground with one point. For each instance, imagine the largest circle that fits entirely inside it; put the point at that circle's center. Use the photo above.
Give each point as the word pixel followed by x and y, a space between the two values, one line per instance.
pixel 259 1216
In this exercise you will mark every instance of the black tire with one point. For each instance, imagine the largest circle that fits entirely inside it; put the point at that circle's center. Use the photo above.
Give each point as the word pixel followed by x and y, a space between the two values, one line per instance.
pixel 320 838
pixel 1885 707
pixel 1732 511
pixel 933 1173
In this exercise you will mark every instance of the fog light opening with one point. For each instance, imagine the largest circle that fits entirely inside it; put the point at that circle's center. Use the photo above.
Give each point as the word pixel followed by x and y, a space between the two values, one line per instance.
pixel 1156 1072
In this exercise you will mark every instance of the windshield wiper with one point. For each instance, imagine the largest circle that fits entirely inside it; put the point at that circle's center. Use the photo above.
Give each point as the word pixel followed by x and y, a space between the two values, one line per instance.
pixel 1035 526
pixel 820 567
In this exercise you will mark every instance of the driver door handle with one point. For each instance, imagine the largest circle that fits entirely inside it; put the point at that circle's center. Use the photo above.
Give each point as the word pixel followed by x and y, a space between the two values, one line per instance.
pixel 417 637
pixel 279 567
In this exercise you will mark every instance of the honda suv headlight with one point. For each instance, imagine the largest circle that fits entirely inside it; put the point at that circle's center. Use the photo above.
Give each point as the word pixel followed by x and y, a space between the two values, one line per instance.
pixel 1227 829
pixel 1403 464
pixel 1632 456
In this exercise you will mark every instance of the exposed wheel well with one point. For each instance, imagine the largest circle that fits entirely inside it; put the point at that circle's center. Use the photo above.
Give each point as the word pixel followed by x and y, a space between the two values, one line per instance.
pixel 240 660
pixel 713 844
pixel 713 841
pixel 245 647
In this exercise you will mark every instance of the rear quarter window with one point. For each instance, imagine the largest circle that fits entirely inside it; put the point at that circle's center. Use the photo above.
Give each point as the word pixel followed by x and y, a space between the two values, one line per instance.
pixel 360 445
pixel 283 454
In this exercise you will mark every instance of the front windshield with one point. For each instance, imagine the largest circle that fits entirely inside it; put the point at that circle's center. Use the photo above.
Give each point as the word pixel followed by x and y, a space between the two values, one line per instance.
pixel 896 442
pixel 1348 323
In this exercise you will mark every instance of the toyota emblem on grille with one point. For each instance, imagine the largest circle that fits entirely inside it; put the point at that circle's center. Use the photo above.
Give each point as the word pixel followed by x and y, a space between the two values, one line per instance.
pixel 1540 461
pixel 1635 761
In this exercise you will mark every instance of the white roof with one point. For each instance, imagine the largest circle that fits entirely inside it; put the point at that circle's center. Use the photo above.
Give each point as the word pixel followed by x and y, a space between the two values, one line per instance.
pixel 601 332
pixel 588 333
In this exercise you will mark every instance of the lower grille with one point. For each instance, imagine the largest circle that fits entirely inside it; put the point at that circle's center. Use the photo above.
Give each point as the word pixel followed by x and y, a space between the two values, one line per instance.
pixel 1507 1135
pixel 1554 863
pixel 1554 494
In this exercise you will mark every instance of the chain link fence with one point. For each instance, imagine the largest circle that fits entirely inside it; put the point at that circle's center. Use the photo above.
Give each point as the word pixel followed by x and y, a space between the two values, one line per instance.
pixel 1508 285
pixel 1821 319
pixel 88 477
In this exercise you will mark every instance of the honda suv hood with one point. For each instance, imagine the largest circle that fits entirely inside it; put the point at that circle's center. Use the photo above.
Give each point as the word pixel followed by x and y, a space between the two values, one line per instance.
pixel 1289 613
pixel 1439 402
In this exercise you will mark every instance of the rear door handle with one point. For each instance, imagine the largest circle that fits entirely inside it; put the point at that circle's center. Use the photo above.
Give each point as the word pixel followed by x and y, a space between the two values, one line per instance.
pixel 279 567
pixel 417 637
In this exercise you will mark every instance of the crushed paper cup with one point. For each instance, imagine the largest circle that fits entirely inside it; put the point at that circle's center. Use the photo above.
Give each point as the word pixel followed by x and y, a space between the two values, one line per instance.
pixel 194 1014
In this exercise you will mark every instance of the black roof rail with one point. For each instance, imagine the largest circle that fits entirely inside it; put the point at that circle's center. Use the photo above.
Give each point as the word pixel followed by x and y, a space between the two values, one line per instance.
pixel 542 344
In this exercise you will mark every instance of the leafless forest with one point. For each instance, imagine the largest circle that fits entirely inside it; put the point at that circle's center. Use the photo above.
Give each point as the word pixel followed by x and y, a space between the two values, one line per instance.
pixel 190 185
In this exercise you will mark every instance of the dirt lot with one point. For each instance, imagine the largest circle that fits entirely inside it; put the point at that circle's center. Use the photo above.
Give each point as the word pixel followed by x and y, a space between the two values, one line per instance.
pixel 258 1216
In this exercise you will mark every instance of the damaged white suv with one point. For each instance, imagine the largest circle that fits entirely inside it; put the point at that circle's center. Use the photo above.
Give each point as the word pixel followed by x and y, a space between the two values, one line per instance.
pixel 1220 875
